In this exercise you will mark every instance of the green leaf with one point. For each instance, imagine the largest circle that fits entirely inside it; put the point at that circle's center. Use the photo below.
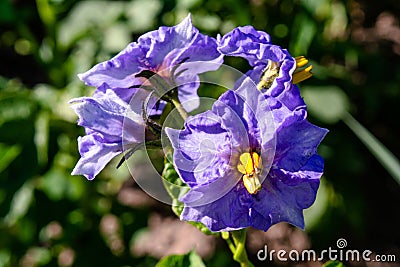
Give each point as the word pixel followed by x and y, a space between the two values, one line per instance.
pixel 138 20
pixel 187 260
pixel 5 257
pixel 15 106
pixel 42 136
pixel 20 203
pixel 174 185
pixel 305 33
pixel 7 155
pixel 333 264
pixel 327 103
pixel 380 151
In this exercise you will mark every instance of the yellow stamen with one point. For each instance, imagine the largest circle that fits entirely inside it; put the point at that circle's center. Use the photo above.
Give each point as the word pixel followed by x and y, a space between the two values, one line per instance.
pixel 245 165
pixel 252 184
pixel 250 166
pixel 301 61
pixel 301 75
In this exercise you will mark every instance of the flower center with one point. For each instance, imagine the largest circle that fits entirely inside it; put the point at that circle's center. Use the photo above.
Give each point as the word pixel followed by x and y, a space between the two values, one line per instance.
pixel 269 75
pixel 271 72
pixel 250 165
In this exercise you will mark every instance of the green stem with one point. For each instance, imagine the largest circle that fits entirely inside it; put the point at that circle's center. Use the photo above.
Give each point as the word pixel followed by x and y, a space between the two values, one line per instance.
pixel 239 252
pixel 225 236
pixel 179 107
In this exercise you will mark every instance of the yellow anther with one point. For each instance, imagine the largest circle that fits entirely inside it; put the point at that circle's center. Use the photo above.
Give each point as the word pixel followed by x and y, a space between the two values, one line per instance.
pixel 301 75
pixel 256 160
pixel 250 166
pixel 301 61
pixel 245 165
pixel 252 183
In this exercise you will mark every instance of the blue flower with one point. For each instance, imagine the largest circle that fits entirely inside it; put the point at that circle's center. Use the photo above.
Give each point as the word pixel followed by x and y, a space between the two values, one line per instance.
pixel 273 68
pixel 250 161
pixel 111 128
pixel 176 54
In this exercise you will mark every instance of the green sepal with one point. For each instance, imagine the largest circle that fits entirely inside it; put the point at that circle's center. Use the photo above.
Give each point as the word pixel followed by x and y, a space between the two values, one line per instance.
pixel 177 188
pixel 204 229
pixel 173 184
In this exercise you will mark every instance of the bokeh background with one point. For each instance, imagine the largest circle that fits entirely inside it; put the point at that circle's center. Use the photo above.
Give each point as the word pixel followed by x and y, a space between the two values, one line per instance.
pixel 50 218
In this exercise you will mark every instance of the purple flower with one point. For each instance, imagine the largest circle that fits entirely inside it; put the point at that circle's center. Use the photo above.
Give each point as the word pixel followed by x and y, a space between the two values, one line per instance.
pixel 111 128
pixel 273 67
pixel 176 54
pixel 250 161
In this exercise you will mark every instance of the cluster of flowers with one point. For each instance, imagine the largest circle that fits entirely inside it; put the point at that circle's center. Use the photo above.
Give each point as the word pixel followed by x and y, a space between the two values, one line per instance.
pixel 249 161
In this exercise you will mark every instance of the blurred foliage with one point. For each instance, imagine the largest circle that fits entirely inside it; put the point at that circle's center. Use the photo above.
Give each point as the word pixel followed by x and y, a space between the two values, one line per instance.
pixel 50 218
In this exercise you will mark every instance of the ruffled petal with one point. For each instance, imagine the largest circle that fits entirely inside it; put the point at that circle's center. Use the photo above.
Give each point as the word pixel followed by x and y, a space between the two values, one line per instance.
pixel 159 43
pixel 279 202
pixel 228 213
pixel 286 194
pixel 243 42
pixel 258 51
pixel 106 115
pixel 296 144
pixel 111 126
pixel 201 150
pixel 95 152
pixel 118 72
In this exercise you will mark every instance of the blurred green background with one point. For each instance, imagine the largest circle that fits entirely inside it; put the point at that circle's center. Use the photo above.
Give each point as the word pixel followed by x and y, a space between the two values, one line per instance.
pixel 50 218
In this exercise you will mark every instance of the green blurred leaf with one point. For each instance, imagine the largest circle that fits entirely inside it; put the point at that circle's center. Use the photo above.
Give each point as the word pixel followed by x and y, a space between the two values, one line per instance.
pixel 320 8
pixel 7 14
pixel 5 257
pixel 39 256
pixel 188 260
pixel 42 136
pixel 20 203
pixel 15 106
pixel 333 264
pixel 141 14
pixel 7 155
pixel 46 12
pixel 327 103
pixel 305 34
pixel 82 19
pixel 381 153
pixel 55 184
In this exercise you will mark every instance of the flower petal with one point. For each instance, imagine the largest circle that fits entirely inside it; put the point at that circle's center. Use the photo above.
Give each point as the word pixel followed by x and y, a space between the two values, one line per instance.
pixel 117 72
pixel 278 202
pixel 159 43
pixel 243 42
pixel 228 213
pixel 106 115
pixel 95 152
pixel 250 44
pixel 202 144
pixel 286 194
pixel 110 126
pixel 296 144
